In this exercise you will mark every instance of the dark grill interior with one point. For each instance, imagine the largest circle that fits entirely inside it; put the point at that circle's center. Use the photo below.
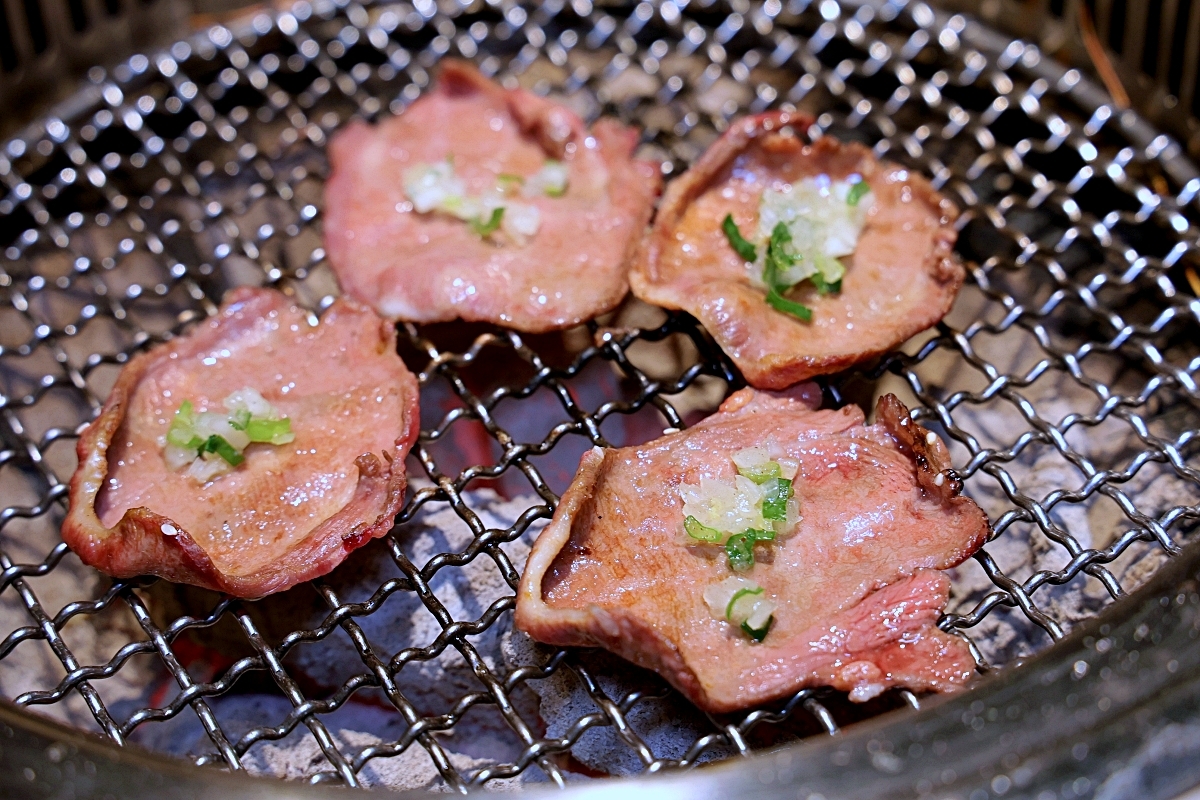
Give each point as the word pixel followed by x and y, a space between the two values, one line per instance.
pixel 1065 378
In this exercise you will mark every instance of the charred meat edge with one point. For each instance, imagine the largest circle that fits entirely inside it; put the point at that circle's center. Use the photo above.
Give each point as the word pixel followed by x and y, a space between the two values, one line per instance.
pixel 780 372
pixel 138 546
pixel 618 630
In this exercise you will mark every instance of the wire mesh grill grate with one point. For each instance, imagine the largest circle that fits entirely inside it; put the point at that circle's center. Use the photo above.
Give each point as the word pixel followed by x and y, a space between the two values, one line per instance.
pixel 1065 378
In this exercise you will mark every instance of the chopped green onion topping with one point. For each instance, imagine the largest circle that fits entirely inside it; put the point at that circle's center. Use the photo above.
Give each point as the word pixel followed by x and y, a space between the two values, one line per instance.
pixel 193 436
pixel 824 287
pixel 857 192
pixel 240 419
pixel 430 185
pixel 699 531
pixel 742 247
pixel 761 473
pixel 829 271
pixel 746 591
pixel 781 303
pixel 740 548
pixel 270 431
pixel 491 226
pixel 803 229
pixel 776 493
pixel 740 552
pixel 436 188
pixel 778 260
pixel 758 634
pixel 758 506
pixel 219 445
pixel 742 603
pixel 551 180
pixel 180 433
pixel 759 535
pixel 183 437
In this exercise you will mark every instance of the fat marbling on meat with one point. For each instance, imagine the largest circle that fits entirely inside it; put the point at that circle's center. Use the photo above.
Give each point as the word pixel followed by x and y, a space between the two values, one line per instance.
pixel 289 513
pixel 901 279
pixel 431 267
pixel 857 586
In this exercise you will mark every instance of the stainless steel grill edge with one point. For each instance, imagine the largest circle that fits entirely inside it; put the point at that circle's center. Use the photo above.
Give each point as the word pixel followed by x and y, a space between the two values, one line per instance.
pixel 1044 712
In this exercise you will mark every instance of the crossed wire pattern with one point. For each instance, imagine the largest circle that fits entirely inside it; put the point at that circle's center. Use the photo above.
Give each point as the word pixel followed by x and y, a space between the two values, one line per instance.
pixel 176 176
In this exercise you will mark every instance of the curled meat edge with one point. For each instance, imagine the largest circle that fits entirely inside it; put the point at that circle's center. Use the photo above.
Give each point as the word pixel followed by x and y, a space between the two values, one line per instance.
pixel 613 629
pixel 781 371
pixel 620 631
pixel 137 545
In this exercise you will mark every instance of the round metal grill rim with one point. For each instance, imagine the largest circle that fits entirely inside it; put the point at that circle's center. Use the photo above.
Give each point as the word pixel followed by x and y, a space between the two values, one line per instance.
pixel 1171 155
pixel 892 756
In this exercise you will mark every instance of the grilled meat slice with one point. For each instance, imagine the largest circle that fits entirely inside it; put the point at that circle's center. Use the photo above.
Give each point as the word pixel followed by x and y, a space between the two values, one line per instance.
pixel 429 267
pixel 288 513
pixel 901 279
pixel 856 585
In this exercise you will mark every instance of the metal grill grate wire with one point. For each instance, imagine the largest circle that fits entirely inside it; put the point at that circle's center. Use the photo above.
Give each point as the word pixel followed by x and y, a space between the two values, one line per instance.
pixel 123 219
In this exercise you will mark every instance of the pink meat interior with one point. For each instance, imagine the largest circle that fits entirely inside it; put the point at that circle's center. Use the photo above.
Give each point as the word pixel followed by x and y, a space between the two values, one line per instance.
pixel 322 377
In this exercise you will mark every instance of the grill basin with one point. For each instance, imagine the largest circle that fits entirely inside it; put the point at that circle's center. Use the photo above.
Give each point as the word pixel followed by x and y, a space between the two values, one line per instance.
pixel 1065 378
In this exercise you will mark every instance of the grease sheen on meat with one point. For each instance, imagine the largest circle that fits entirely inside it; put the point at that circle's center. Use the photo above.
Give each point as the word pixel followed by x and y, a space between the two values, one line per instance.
pixel 901 279
pixel 289 513
pixel 857 585
pixel 432 267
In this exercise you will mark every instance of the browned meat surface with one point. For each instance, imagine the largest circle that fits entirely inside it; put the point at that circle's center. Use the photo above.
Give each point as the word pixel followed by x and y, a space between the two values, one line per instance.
pixel 901 279
pixel 857 586
pixel 433 267
pixel 289 513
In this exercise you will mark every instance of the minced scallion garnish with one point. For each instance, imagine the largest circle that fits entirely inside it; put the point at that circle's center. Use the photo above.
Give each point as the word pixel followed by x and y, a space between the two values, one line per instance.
pixel 433 186
pixel 739 549
pixel 221 446
pixel 778 262
pixel 823 286
pixel 758 507
pixel 740 552
pixel 701 532
pixel 776 493
pixel 209 443
pixel 757 464
pixel 805 227
pixel 551 180
pixel 743 603
pixel 761 473
pixel 858 190
pixel 737 241
pixel 508 182
pixel 270 431
pixel 485 229
pixel 436 187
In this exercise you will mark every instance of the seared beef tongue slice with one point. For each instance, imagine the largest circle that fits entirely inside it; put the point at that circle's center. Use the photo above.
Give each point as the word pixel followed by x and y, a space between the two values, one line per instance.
pixel 411 222
pixel 900 277
pixel 855 585
pixel 285 513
